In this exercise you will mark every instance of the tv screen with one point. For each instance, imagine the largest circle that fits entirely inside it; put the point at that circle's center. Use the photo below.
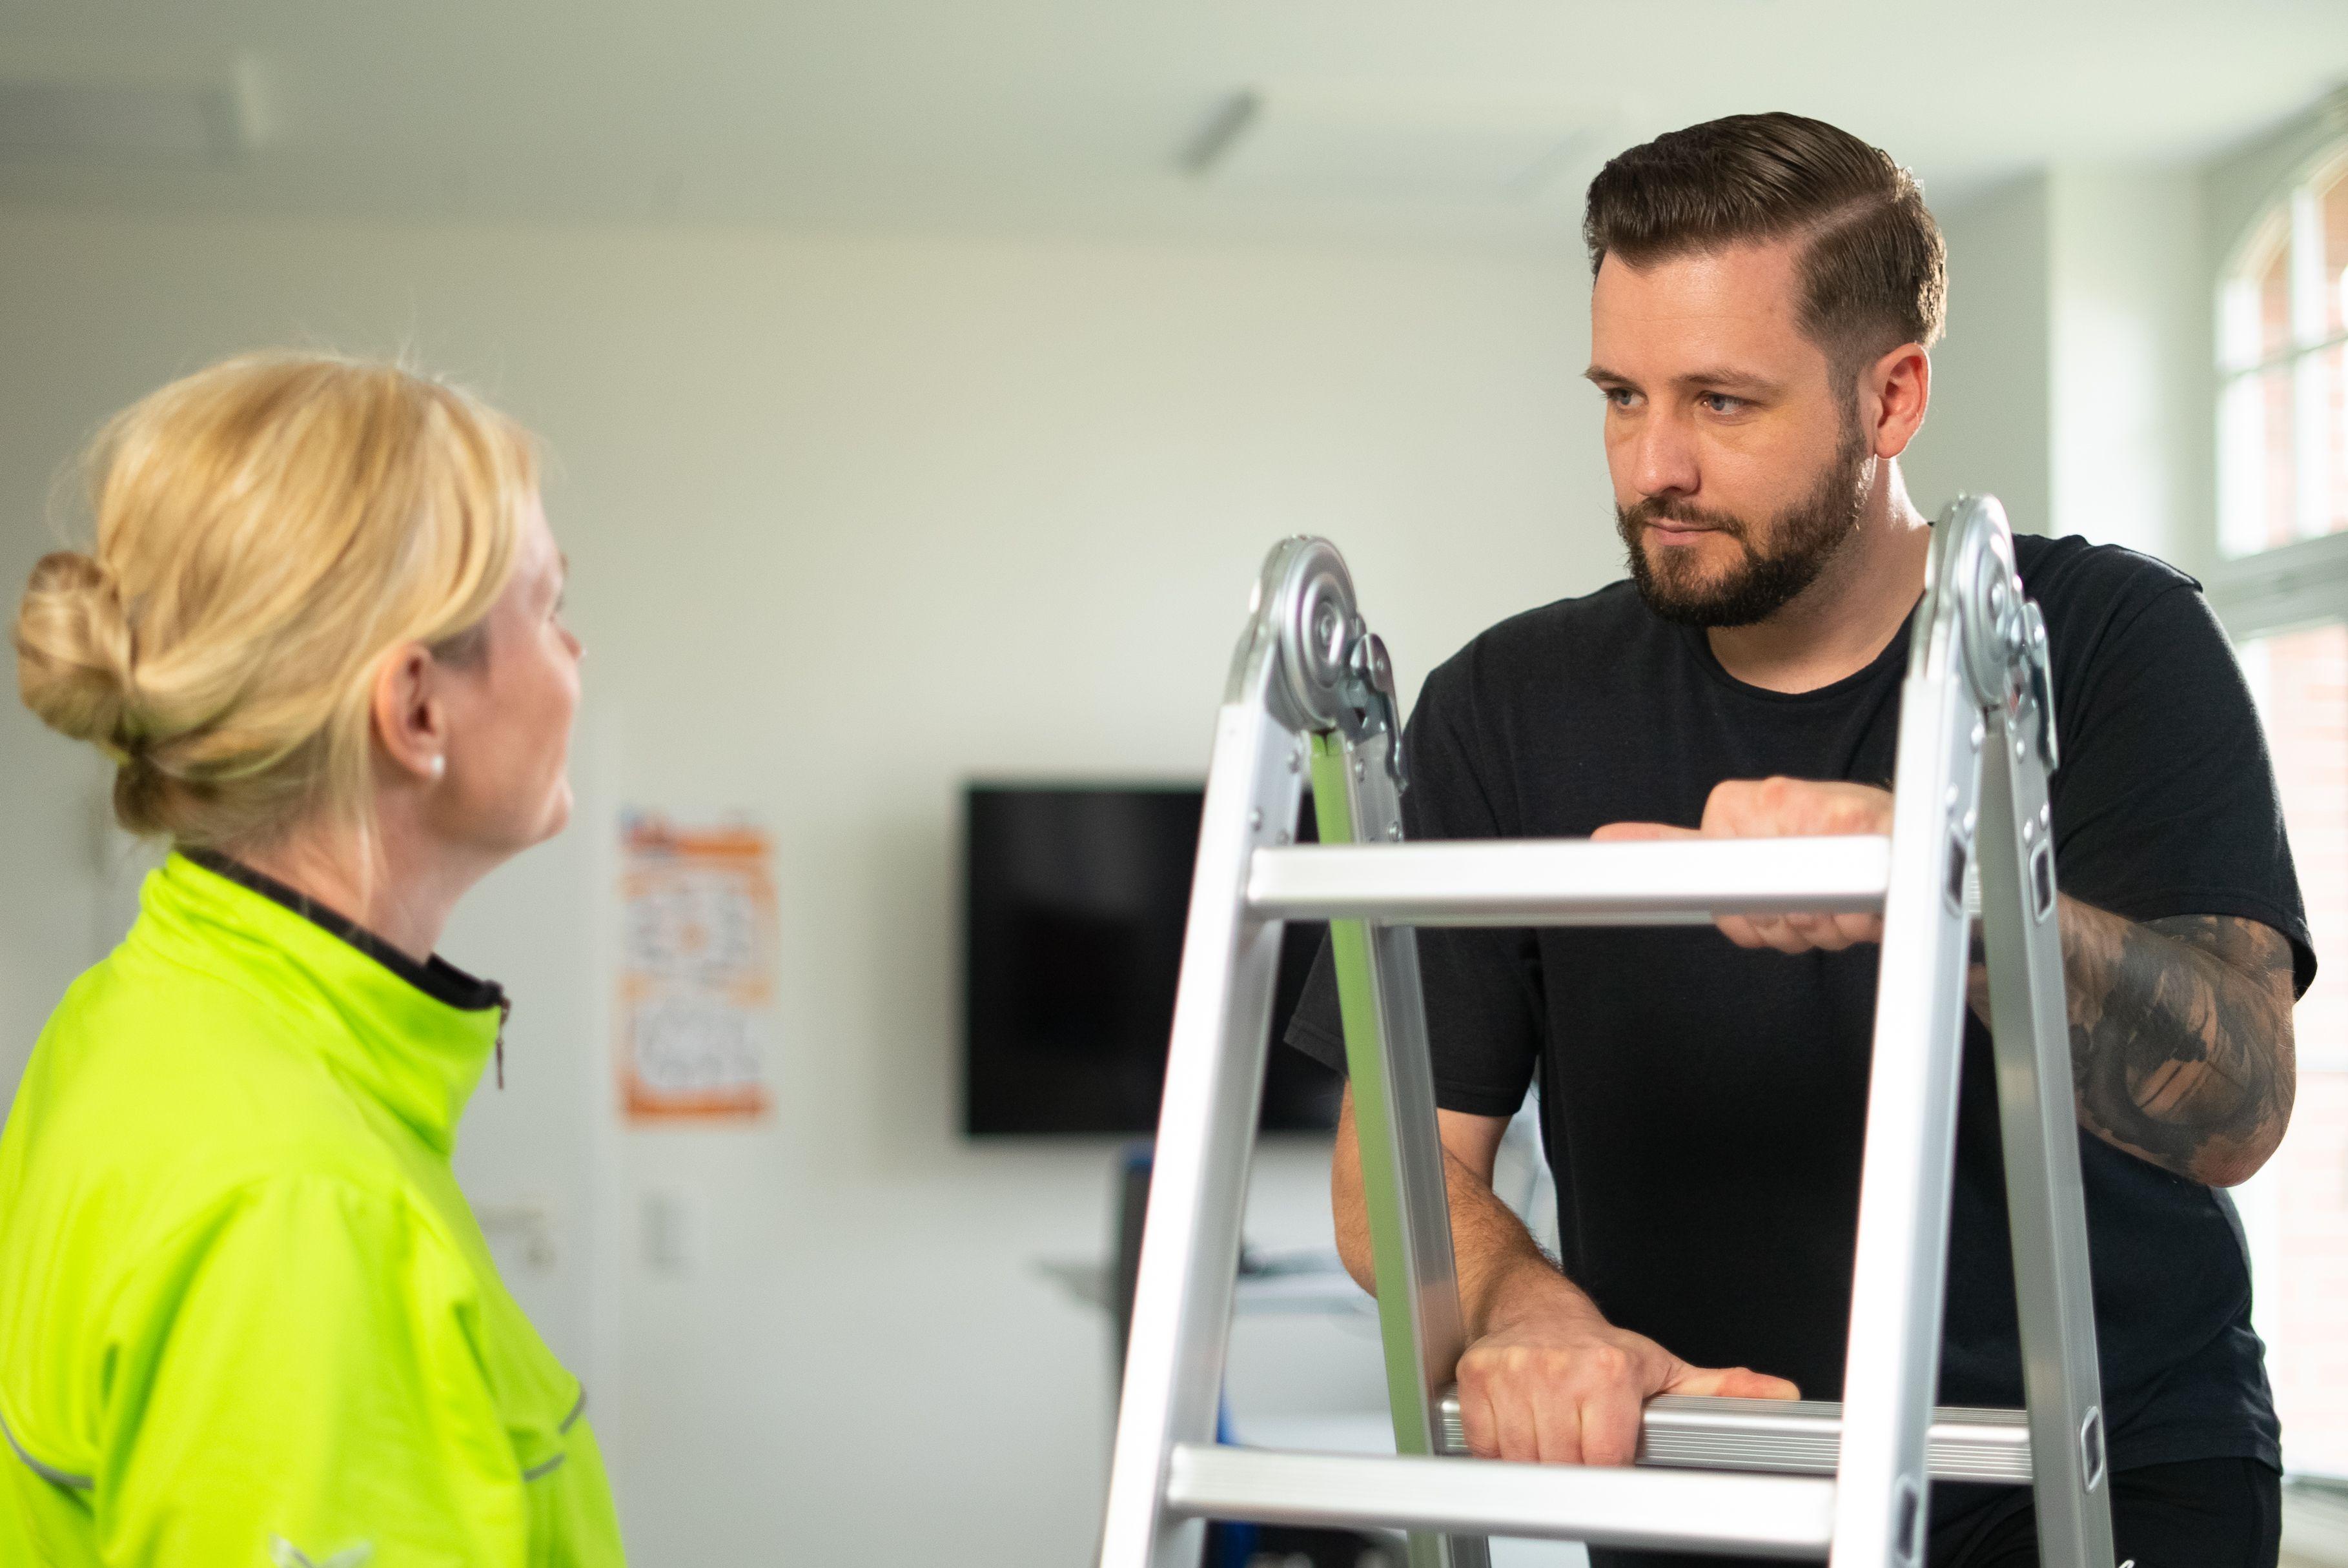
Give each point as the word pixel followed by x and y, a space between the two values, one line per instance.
pixel 1076 901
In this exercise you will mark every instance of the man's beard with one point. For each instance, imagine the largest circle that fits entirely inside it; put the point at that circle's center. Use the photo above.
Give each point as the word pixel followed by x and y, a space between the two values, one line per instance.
pixel 1797 546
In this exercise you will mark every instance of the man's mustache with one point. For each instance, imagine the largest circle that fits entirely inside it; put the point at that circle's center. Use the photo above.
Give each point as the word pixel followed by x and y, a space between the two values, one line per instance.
pixel 1668 509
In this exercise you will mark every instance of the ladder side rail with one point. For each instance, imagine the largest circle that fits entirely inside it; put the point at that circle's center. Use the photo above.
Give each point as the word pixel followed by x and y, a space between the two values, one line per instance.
pixel 1206 1132
pixel 2045 1202
pixel 1396 1126
pixel 1902 1255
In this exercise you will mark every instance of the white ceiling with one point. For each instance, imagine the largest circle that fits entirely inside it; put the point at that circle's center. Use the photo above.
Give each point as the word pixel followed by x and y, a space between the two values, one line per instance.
pixel 1076 115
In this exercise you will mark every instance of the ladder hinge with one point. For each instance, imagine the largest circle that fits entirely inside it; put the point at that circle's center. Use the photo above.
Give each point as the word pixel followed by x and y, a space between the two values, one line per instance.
pixel 2041 680
pixel 1367 699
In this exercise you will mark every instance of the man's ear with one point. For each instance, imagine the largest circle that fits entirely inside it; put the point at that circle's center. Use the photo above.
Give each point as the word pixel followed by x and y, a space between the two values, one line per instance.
pixel 409 723
pixel 1894 392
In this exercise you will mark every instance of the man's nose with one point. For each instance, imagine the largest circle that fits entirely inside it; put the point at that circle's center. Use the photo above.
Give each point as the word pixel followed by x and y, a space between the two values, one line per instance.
pixel 1663 459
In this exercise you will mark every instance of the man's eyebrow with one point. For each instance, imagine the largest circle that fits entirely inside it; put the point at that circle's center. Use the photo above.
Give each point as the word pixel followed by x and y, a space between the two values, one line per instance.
pixel 1718 376
pixel 1721 375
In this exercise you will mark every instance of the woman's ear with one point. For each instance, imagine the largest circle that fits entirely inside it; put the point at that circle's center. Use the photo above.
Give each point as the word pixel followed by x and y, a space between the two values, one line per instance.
pixel 410 722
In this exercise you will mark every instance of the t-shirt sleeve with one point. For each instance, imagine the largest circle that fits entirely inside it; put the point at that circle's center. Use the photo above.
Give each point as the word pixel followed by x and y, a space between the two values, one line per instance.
pixel 2164 795
pixel 301 1376
pixel 1482 985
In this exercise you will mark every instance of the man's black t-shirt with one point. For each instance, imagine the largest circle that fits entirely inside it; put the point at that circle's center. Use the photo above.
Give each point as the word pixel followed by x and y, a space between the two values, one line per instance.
pixel 1703 1104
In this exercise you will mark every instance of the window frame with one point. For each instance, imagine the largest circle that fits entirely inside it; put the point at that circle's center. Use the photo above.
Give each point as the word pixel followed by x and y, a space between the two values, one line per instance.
pixel 2284 587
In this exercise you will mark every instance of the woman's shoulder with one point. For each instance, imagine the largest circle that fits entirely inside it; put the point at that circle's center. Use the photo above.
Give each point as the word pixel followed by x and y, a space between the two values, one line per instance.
pixel 169 1126
pixel 155 1090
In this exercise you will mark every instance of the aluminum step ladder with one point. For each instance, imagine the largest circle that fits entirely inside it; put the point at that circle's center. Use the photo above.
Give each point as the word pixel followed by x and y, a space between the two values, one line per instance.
pixel 1310 686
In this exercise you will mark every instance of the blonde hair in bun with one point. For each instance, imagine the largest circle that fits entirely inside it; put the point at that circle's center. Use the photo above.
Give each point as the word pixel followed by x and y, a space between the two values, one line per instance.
pixel 74 649
pixel 268 529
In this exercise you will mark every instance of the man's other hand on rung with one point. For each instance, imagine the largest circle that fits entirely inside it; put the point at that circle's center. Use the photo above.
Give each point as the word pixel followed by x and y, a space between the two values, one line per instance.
pixel 1783 809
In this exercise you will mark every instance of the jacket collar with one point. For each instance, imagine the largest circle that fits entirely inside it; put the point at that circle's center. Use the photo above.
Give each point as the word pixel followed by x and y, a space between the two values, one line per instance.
pixel 413 1035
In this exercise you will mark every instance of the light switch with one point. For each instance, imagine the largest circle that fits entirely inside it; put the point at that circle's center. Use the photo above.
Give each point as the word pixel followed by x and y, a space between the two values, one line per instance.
pixel 672 1223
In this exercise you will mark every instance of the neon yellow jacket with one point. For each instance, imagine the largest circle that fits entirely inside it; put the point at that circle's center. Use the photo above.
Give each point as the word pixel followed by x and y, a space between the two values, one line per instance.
pixel 246 1318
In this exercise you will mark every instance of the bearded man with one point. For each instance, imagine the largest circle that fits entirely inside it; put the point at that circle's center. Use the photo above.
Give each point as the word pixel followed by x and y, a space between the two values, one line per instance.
pixel 1766 289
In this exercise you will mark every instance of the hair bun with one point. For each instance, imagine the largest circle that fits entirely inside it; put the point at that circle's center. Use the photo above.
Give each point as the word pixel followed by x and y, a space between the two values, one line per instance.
pixel 73 649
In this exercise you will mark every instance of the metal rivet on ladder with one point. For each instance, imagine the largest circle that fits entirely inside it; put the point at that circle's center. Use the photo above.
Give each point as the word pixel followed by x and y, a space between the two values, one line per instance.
pixel 1361 768
pixel 1908 1523
pixel 2091 1450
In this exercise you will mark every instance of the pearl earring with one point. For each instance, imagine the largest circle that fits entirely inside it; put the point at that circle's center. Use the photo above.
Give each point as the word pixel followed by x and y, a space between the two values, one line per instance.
pixel 439 767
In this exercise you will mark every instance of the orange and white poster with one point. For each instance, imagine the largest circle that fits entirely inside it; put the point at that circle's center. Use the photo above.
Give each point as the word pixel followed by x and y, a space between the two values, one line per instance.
pixel 696 970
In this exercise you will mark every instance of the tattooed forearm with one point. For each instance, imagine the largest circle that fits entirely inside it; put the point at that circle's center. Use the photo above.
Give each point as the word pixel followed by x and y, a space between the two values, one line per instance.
pixel 2180 1037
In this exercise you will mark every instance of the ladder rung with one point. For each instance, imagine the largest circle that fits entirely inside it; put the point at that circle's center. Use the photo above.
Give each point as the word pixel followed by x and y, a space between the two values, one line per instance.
pixel 1786 1516
pixel 1804 1437
pixel 1569 881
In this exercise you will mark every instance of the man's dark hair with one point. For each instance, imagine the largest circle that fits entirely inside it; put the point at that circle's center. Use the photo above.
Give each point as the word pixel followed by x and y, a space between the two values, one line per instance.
pixel 1874 272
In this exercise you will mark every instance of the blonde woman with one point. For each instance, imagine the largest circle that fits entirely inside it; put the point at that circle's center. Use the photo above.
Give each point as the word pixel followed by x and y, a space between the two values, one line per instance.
pixel 246 1317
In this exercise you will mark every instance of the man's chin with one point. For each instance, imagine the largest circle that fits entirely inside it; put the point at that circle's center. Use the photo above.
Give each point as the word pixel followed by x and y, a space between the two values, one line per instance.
pixel 1683 590
pixel 1674 574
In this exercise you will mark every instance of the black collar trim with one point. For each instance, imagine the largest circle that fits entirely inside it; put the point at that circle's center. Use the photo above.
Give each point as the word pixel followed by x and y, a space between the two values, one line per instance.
pixel 435 976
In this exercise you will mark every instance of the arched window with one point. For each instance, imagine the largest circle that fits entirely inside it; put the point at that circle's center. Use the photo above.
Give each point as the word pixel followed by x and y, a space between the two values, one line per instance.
pixel 2282 527
pixel 2282 353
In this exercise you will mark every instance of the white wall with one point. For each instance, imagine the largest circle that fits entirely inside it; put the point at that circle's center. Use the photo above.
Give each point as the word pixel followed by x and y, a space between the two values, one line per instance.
pixel 1986 429
pixel 2132 428
pixel 849 520
pixel 2075 382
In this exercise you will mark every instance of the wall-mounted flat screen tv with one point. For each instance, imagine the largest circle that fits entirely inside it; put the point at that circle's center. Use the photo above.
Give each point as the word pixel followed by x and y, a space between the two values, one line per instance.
pixel 1073 939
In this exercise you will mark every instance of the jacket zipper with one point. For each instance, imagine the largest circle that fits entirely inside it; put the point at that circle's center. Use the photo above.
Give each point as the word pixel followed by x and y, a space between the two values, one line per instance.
pixel 505 1011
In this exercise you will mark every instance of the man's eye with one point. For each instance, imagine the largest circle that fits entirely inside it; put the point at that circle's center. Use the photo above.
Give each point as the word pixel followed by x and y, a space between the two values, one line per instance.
pixel 1618 397
pixel 1721 402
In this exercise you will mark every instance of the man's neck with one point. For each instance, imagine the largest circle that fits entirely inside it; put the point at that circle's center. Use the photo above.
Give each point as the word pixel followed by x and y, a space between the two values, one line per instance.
pixel 1837 626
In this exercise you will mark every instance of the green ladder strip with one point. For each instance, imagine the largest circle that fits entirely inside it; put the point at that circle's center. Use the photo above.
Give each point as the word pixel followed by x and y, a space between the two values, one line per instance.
pixel 1366 1062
